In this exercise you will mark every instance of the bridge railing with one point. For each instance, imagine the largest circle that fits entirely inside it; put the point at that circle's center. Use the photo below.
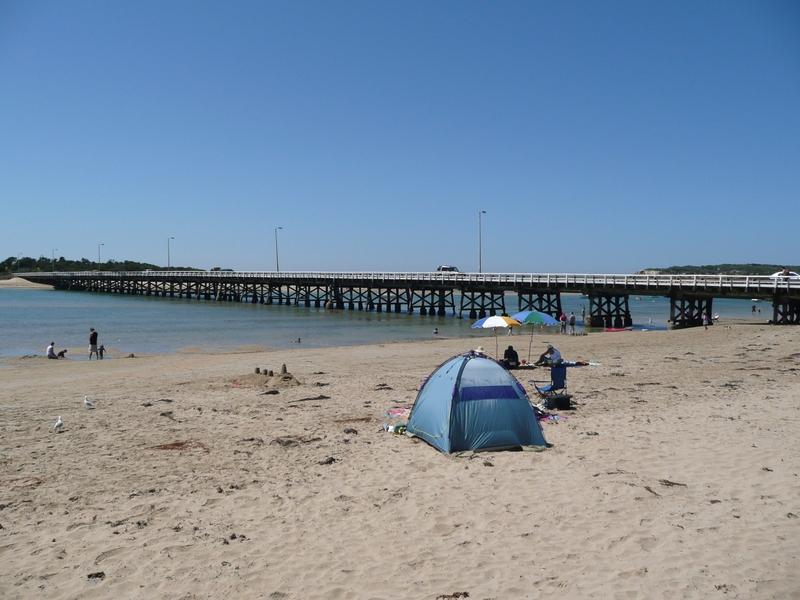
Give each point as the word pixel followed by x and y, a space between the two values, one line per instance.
pixel 754 284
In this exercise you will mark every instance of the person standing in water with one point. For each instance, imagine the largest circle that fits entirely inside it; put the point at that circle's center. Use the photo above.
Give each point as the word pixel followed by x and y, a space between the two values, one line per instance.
pixel 93 344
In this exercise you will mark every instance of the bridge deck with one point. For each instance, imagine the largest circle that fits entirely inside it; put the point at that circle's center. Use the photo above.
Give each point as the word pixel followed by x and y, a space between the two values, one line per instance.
pixel 730 286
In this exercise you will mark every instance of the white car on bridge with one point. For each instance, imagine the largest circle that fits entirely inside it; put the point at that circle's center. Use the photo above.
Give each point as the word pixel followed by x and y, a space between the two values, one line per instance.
pixel 782 275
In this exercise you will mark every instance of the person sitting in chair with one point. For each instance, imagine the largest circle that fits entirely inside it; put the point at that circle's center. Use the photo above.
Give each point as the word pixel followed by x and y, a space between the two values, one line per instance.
pixel 549 357
pixel 510 358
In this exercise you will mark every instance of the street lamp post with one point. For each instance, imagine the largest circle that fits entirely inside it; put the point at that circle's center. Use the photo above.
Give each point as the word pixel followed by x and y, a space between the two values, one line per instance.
pixel 168 239
pixel 19 255
pixel 480 252
pixel 53 260
pixel 277 263
pixel 98 255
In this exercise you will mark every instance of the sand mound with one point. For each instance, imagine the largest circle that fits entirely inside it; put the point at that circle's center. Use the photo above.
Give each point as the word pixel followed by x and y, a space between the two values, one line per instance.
pixel 260 380
pixel 18 282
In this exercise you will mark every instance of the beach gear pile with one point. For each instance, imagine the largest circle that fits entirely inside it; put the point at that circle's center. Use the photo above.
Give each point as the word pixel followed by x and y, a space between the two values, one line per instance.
pixel 471 402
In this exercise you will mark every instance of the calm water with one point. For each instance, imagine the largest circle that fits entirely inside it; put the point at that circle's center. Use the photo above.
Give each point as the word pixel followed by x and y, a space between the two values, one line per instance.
pixel 30 319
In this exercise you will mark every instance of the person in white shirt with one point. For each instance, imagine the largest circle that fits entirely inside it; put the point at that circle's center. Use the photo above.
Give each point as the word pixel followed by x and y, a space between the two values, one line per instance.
pixel 551 356
pixel 51 351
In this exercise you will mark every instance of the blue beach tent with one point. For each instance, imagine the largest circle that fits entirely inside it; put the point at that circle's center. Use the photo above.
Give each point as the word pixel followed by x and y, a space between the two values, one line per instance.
pixel 472 403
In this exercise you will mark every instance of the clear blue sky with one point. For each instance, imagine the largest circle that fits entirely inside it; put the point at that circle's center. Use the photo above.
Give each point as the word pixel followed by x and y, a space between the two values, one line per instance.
pixel 599 137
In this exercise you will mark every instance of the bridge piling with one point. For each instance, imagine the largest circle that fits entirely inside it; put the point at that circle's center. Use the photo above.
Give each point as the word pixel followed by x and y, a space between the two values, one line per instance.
pixel 687 310
pixel 786 311
pixel 481 302
pixel 481 294
pixel 544 301
pixel 609 310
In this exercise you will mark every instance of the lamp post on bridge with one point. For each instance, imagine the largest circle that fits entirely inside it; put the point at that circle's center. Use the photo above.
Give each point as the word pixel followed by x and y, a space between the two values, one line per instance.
pixel 168 239
pixel 480 251
pixel 19 255
pixel 277 263
pixel 53 261
pixel 98 255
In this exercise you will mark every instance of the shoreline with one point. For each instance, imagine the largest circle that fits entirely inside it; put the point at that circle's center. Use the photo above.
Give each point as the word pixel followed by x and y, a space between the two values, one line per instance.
pixel 519 340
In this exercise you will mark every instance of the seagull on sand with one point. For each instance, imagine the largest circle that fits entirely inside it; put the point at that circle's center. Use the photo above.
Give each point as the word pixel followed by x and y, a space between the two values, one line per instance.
pixel 59 424
pixel 87 402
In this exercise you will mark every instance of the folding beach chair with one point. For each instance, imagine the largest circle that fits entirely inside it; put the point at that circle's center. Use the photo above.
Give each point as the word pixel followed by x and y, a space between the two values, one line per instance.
pixel 556 385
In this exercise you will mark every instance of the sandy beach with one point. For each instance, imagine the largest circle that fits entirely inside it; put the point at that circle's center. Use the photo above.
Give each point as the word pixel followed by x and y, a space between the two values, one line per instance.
pixel 19 283
pixel 675 476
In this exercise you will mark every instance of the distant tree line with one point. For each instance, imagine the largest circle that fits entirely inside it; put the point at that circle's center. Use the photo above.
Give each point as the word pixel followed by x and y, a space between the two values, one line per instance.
pixel 43 263
pixel 723 269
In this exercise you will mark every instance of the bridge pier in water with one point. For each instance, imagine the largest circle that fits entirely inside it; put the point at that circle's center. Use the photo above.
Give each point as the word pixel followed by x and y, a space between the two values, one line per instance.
pixel 785 311
pixel 609 310
pixel 687 310
pixel 432 294
pixel 548 302
pixel 483 303
pixel 430 302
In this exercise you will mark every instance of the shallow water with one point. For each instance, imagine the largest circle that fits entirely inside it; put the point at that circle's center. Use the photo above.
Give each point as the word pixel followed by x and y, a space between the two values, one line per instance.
pixel 31 318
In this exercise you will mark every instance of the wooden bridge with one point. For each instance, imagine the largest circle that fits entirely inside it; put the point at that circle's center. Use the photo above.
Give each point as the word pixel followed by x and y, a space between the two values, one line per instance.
pixel 479 294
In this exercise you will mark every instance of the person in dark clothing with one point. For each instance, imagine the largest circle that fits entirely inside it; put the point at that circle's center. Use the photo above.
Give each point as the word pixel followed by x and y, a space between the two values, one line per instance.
pixel 510 358
pixel 93 344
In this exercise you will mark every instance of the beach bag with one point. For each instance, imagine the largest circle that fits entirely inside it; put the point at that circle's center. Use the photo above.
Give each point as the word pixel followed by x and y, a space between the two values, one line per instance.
pixel 559 402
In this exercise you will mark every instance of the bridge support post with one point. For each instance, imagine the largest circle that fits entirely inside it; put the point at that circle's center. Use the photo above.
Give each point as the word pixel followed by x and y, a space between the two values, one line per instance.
pixel 687 311
pixel 609 310
pixel 335 298
pixel 423 299
pixel 441 304
pixel 543 301
pixel 785 311
pixel 479 302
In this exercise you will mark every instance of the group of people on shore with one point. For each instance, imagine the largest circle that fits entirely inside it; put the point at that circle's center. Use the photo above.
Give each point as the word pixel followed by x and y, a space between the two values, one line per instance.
pixel 94 348
pixel 564 321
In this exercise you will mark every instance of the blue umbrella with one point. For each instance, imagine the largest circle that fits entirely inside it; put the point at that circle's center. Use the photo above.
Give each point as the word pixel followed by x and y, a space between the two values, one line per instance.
pixel 533 317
